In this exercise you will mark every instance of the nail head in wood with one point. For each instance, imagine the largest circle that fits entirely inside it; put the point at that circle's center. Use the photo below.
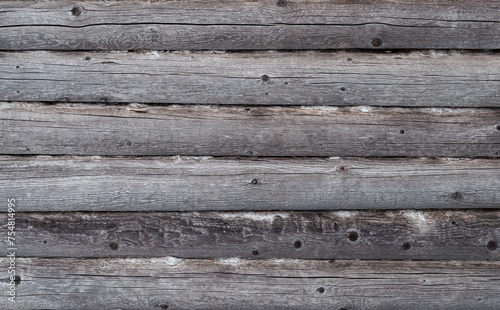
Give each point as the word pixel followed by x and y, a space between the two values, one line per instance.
pixel 406 246
pixel 492 245
pixel 113 246
pixel 352 235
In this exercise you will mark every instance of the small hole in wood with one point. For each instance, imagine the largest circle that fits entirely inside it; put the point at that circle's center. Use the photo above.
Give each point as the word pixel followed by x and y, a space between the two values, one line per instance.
pixel 342 89
pixel 349 59
pixel 129 143
pixel 297 244
pixel 352 235
pixel 28 149
pixel 113 246
pixel 282 3
pixel 255 181
pixel 88 58
pixel 163 306
pixel 492 245
pixel 76 10
pixel 17 67
pixel 377 42
pixel 406 246
pixel 286 83
pixel 456 196
pixel 497 127
pixel 320 290
pixel 44 241
pixel 401 131
pixel 255 253
pixel 264 78
pixel 453 223
pixel 17 280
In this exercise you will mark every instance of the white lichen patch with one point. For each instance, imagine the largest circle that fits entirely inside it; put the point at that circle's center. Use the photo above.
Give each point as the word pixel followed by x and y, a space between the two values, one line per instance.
pixel 346 214
pixel 231 260
pixel 168 260
pixel 364 109
pixel 255 216
pixel 415 215
pixel 286 260
pixel 319 108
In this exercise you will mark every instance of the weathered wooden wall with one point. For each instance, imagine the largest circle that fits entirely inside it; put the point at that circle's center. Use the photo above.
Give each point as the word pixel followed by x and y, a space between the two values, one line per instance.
pixel 249 25
pixel 251 154
pixel 415 79
pixel 204 183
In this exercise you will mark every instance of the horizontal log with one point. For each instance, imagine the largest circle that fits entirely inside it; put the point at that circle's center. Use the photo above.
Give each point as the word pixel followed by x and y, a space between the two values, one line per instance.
pixel 260 78
pixel 410 234
pixel 251 131
pixel 248 25
pixel 172 283
pixel 183 184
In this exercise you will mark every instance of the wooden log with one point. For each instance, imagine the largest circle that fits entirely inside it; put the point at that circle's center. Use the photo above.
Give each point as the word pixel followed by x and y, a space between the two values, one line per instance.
pixel 183 184
pixel 260 78
pixel 248 25
pixel 247 131
pixel 400 234
pixel 172 283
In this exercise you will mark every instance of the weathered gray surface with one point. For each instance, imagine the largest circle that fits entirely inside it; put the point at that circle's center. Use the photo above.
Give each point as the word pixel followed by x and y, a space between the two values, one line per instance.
pixel 183 184
pixel 245 25
pixel 432 235
pixel 246 131
pixel 258 284
pixel 262 78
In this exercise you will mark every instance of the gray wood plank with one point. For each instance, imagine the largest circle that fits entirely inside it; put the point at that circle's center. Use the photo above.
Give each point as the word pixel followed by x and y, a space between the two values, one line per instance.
pixel 399 234
pixel 184 183
pixel 88 129
pixel 261 78
pixel 171 283
pixel 248 25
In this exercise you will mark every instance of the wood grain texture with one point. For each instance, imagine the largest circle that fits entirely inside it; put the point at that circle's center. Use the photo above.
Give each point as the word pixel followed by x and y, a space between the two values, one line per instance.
pixel 248 25
pixel 170 283
pixel 399 234
pixel 247 131
pixel 261 78
pixel 183 184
